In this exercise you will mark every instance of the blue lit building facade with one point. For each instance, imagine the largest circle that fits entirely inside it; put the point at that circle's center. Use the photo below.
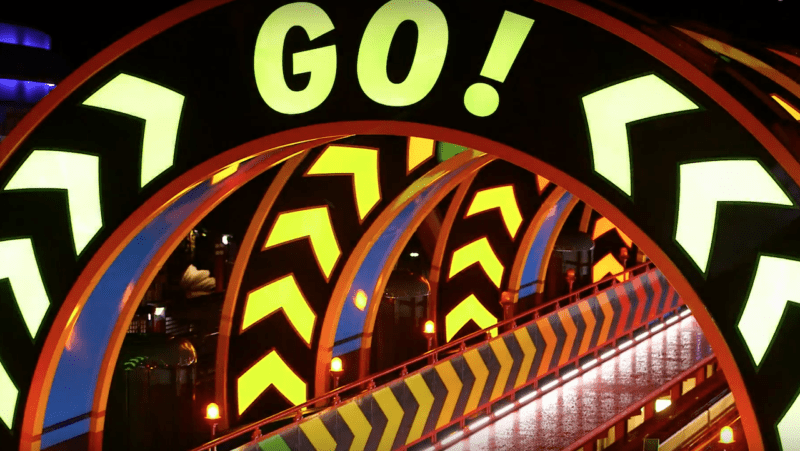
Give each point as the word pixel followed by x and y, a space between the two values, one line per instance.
pixel 28 72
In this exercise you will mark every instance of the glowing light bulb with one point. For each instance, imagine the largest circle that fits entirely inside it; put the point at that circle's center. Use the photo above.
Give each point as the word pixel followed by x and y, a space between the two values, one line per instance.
pixel 429 327
pixel 726 435
pixel 662 404
pixel 360 300
pixel 212 412
pixel 336 365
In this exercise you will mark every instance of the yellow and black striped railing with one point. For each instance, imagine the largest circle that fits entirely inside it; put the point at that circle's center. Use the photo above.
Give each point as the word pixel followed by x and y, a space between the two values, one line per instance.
pixel 418 405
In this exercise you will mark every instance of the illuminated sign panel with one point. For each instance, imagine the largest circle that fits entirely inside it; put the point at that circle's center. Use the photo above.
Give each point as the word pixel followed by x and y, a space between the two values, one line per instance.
pixel 294 71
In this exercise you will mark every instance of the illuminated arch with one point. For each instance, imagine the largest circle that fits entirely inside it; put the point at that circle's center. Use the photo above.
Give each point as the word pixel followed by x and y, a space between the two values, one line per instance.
pixel 62 325
pixel 533 256
pixel 512 155
pixel 369 270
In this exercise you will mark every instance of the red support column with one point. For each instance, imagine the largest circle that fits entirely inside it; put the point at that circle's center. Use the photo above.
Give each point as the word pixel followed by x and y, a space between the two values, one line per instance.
pixel 590 446
pixel 620 429
pixel 700 376
pixel 649 410
pixel 675 392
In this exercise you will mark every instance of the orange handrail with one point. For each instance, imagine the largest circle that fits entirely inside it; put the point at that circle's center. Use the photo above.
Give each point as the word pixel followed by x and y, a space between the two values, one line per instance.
pixel 431 356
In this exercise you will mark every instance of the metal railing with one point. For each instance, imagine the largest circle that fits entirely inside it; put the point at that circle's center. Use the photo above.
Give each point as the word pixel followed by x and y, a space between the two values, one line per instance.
pixel 460 345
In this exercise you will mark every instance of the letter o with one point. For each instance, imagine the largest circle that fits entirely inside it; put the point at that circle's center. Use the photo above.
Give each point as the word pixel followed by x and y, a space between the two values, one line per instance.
pixel 268 59
pixel 429 56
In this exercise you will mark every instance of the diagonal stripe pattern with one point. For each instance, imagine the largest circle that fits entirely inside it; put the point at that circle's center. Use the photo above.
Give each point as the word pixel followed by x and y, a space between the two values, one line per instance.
pixel 407 411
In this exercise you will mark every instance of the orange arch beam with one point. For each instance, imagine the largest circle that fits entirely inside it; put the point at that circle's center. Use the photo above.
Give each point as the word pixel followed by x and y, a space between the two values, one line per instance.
pixel 678 64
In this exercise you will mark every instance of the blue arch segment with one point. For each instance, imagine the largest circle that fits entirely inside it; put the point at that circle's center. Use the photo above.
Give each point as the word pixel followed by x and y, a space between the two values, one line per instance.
pixel 28 37
pixel 533 263
pixel 23 91
pixel 69 404
pixel 351 320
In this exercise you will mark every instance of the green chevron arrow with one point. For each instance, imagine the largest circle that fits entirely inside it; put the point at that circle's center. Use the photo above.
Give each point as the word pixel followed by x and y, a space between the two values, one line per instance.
pixel 79 175
pixel 703 185
pixel 20 268
pixel 8 398
pixel 609 110
pixel 158 106
pixel 774 286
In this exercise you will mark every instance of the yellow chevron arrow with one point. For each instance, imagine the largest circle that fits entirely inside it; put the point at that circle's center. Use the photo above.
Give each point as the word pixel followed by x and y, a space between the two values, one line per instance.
pixel 394 415
pixel 481 373
pixel 270 370
pixel 158 106
pixel 506 361
pixel 478 251
pixel 608 317
pixel 76 173
pixel 469 309
pixel 424 398
pixel 358 424
pixel 318 434
pixel 541 183
pixel 503 198
pixel 282 294
pixel 603 225
pixel 454 386
pixel 26 281
pixel 591 322
pixel 550 342
pixel 419 151
pixel 786 106
pixel 528 352
pixel 314 224
pixel 607 265
pixel 362 164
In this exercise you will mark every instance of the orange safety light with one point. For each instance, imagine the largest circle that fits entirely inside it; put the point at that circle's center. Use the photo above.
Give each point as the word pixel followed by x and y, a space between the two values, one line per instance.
pixel 726 435
pixel 212 412
pixel 336 365
pixel 429 327
pixel 360 300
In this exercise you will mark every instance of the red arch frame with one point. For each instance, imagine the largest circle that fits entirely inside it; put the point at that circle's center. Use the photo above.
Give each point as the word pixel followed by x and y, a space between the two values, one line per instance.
pixel 37 398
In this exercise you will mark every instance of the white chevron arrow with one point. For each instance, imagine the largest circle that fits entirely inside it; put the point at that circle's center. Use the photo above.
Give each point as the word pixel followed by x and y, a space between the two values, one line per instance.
pixel 776 283
pixel 787 427
pixel 8 398
pixel 703 185
pixel 79 175
pixel 158 106
pixel 609 110
pixel 18 265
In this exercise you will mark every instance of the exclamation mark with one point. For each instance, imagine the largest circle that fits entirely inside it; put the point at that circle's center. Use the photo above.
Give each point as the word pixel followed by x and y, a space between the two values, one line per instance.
pixel 482 99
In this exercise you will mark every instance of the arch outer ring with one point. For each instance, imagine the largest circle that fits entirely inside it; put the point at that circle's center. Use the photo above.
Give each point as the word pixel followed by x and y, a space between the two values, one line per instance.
pixel 55 340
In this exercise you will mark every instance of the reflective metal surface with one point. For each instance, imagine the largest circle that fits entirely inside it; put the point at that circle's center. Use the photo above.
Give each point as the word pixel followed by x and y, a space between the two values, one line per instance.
pixel 567 413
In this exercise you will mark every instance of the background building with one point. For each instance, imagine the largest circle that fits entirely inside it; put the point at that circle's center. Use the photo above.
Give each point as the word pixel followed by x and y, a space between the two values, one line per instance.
pixel 28 72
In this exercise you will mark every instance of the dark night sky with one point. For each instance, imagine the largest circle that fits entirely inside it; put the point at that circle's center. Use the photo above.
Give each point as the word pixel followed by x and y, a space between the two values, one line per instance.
pixel 80 29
